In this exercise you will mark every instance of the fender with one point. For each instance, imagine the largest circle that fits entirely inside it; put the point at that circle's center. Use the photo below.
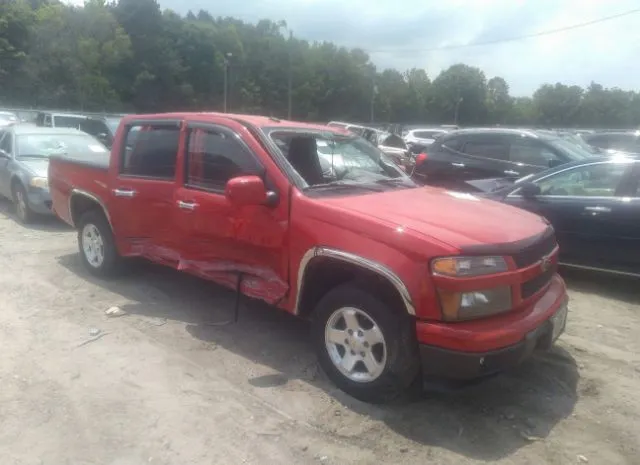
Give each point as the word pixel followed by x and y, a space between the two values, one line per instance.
pixel 89 195
pixel 357 260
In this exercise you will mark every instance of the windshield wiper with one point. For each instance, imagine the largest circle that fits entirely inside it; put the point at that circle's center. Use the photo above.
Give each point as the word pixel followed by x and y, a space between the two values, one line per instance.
pixel 345 185
pixel 398 182
pixel 34 155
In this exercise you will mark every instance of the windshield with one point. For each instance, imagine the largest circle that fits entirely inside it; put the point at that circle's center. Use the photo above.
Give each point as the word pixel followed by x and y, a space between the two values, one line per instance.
pixel 45 145
pixel 327 159
pixel 67 121
pixel 570 148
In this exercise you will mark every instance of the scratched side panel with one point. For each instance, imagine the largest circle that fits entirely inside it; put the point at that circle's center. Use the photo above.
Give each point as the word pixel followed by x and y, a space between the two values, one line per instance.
pixel 219 242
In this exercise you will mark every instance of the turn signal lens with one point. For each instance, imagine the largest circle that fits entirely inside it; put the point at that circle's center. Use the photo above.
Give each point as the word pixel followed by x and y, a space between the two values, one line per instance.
pixel 468 266
pixel 457 306
pixel 42 183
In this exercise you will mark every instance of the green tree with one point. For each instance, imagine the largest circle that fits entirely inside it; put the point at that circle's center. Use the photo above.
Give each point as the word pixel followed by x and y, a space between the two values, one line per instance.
pixel 463 88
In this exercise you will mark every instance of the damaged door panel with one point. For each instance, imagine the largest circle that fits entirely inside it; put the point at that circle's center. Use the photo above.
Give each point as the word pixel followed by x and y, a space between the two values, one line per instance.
pixel 219 240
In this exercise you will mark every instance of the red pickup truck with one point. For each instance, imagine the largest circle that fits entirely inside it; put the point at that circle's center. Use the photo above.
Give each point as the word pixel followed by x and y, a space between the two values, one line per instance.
pixel 401 282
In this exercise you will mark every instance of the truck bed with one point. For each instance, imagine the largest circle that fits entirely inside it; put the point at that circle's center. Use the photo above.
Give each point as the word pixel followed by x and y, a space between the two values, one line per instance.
pixel 87 174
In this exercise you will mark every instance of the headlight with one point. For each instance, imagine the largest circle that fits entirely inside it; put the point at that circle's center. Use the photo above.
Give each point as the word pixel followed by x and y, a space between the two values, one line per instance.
pixel 41 183
pixel 468 266
pixel 458 306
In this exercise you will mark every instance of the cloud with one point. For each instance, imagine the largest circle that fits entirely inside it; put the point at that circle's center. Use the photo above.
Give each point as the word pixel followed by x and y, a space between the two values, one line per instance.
pixel 403 33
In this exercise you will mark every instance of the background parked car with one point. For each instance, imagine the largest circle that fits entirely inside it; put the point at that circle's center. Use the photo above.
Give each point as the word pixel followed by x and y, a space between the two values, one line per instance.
pixel 24 162
pixel 593 205
pixel 468 154
pixel 102 128
pixel 419 139
pixel 59 120
pixel 7 118
pixel 628 142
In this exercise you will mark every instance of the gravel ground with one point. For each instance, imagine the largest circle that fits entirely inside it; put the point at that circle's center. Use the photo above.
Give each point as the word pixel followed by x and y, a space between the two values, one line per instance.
pixel 164 384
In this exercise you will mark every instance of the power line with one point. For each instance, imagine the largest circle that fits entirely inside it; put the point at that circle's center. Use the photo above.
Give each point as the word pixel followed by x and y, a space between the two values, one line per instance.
pixel 510 39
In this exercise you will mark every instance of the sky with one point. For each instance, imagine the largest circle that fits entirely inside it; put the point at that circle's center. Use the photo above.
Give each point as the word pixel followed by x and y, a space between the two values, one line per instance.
pixel 402 34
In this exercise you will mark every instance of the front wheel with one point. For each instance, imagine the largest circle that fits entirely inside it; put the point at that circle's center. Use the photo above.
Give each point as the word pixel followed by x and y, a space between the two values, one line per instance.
pixel 366 348
pixel 21 202
pixel 96 244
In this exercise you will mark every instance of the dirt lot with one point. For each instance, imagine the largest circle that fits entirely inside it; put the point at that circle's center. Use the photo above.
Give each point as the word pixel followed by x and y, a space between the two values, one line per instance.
pixel 162 385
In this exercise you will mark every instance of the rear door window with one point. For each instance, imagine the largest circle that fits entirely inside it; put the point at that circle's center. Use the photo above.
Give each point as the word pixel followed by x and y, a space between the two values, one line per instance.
pixel 531 152
pixel 491 147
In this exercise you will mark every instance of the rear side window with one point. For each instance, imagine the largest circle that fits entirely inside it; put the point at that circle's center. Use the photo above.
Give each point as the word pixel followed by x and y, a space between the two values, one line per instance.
pixel 452 143
pixel 486 148
pixel 214 157
pixel 531 153
pixel 151 151
pixel 427 134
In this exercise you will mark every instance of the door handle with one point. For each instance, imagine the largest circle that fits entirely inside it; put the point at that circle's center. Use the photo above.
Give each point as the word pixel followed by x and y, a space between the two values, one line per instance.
pixel 124 192
pixel 511 173
pixel 458 165
pixel 187 205
pixel 598 209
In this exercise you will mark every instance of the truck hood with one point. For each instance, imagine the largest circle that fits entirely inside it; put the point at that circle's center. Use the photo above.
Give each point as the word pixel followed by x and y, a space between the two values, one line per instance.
pixel 458 219
pixel 36 166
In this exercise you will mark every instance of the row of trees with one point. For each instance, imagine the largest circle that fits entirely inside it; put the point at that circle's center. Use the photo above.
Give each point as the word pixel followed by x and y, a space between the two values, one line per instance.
pixel 132 56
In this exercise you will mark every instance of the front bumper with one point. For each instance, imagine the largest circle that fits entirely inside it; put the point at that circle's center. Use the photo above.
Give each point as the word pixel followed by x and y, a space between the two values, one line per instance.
pixel 452 364
pixel 40 201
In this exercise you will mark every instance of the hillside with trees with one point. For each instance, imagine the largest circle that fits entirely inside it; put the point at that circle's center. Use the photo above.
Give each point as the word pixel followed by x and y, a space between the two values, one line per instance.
pixel 131 55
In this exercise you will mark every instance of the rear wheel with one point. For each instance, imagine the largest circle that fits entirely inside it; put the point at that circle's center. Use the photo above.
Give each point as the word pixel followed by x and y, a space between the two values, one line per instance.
pixel 366 348
pixel 96 244
pixel 20 200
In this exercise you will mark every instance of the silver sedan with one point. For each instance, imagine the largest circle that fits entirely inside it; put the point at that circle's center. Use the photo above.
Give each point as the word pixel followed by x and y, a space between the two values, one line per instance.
pixel 24 163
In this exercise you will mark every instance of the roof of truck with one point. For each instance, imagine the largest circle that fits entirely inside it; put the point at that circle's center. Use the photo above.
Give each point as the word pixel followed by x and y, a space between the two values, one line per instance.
pixel 254 120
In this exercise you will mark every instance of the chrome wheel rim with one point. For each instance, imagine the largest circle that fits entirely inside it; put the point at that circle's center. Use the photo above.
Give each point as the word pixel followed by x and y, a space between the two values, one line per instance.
pixel 21 204
pixel 355 345
pixel 92 245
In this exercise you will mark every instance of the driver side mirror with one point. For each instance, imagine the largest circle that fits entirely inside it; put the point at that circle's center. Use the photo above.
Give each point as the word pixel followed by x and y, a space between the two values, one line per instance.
pixel 530 190
pixel 245 191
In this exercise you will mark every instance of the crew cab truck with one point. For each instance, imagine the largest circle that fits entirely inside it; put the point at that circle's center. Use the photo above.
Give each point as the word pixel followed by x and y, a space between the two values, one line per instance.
pixel 400 282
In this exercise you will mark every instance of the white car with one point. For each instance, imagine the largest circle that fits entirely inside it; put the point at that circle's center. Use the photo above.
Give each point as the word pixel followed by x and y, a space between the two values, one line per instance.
pixel 7 118
pixel 423 137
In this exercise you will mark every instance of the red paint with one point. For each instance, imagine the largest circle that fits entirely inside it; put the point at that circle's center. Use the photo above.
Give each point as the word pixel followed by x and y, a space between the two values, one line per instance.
pixel 233 231
pixel 246 191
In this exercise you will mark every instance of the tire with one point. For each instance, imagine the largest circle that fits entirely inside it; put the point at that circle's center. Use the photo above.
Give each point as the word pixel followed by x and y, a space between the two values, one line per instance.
pixel 398 362
pixel 97 246
pixel 21 202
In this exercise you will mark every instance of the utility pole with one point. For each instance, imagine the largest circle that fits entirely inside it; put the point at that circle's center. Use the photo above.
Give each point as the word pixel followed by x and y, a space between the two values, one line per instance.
pixel 374 91
pixel 455 114
pixel 226 78
pixel 290 77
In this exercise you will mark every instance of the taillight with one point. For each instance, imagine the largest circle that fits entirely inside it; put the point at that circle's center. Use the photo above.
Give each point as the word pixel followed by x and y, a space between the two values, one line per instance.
pixel 421 158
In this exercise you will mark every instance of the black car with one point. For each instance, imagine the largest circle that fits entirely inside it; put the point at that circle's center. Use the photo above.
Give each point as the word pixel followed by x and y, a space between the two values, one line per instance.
pixel 593 205
pixel 102 128
pixel 468 154
pixel 628 142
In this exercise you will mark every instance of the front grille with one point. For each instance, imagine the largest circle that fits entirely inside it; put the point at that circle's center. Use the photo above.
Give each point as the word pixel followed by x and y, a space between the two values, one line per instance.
pixel 532 286
pixel 531 254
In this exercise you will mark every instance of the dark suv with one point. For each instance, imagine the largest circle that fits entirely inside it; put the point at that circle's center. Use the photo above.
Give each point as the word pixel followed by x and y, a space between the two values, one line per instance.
pixel 614 141
pixel 469 154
